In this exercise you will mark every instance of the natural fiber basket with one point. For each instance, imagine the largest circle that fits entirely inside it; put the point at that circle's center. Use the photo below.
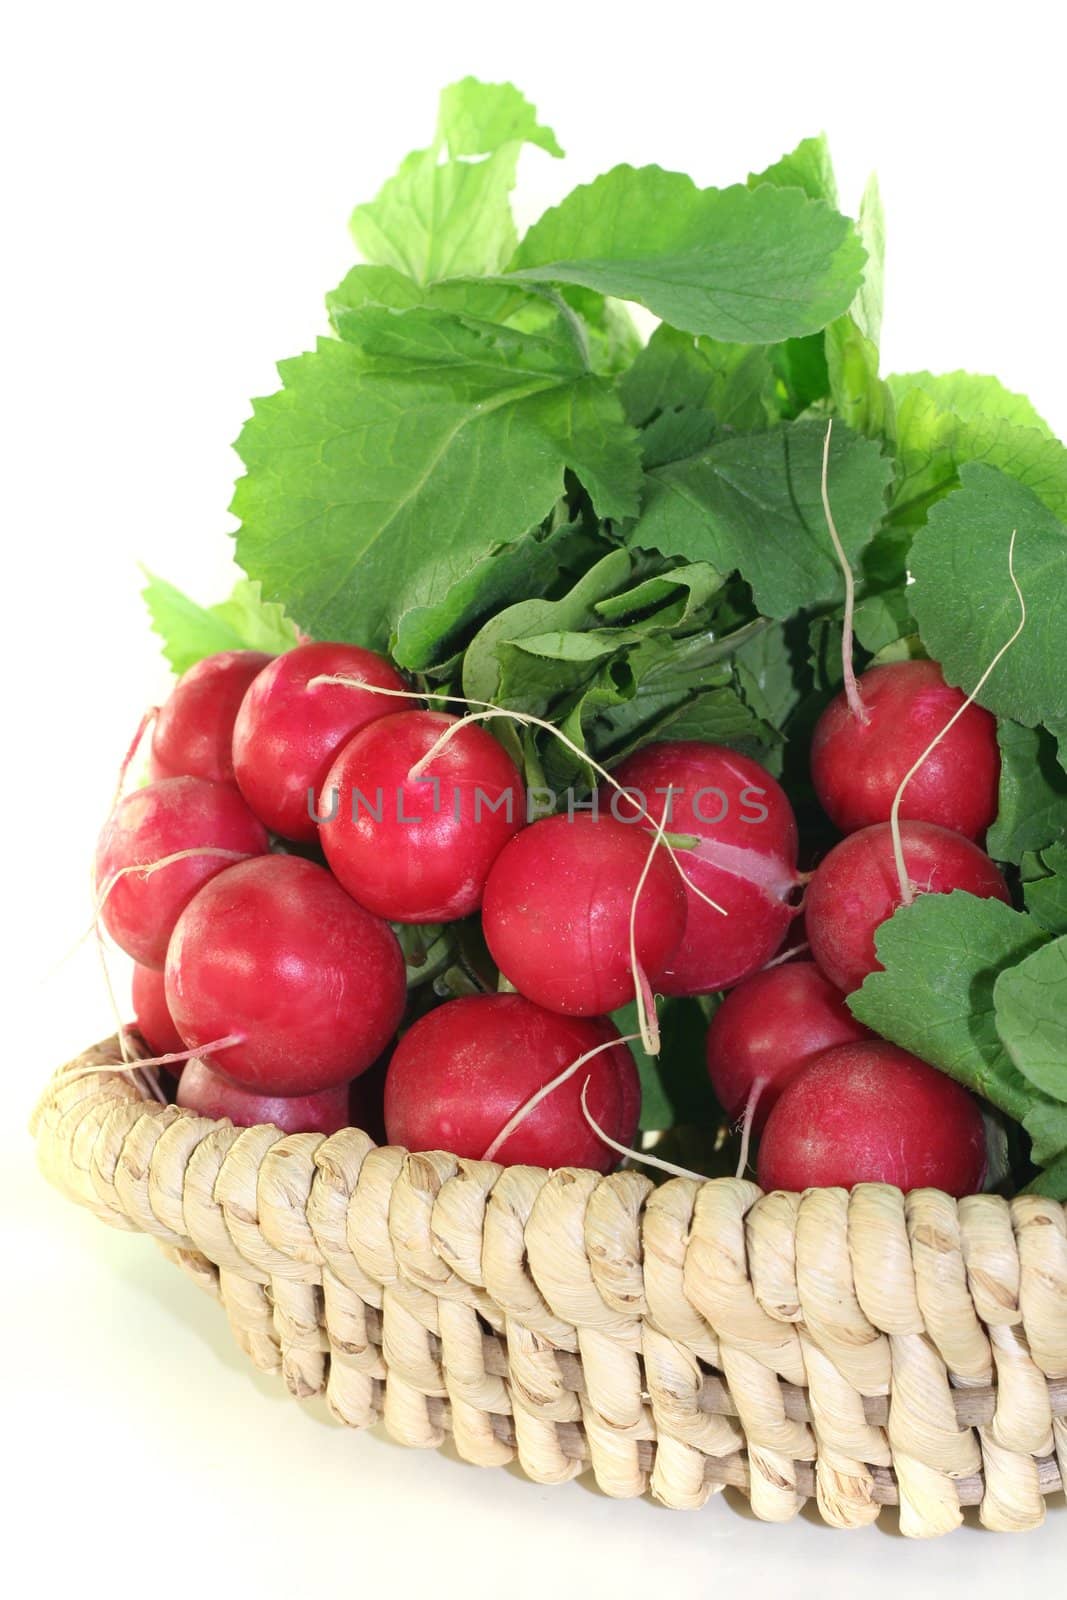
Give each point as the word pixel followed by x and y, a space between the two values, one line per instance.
pixel 862 1350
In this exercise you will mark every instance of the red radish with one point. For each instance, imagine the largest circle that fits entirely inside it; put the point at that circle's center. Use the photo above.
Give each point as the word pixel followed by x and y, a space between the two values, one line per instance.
pixel 275 952
pixel 768 1028
pixel 872 1113
pixel 557 912
pixel 462 1072
pixel 287 734
pixel 746 860
pixel 419 848
pixel 857 766
pixel 193 732
pixel 857 886
pixel 154 1021
pixel 211 1095
pixel 209 820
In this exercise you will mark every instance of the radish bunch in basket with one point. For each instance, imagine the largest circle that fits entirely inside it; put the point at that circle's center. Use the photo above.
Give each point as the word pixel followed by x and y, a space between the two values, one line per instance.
pixel 306 811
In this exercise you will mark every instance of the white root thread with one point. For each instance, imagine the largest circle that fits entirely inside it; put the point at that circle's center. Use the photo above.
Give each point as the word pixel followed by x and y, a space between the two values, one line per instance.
pixel 758 1086
pixel 547 1088
pixel 635 1155
pixel 647 1020
pixel 785 955
pixel 145 869
pixel 907 894
pixel 172 1058
pixel 852 693
pixel 135 744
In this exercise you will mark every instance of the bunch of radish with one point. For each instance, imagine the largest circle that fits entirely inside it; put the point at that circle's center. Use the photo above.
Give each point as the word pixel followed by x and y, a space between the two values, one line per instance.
pixel 302 809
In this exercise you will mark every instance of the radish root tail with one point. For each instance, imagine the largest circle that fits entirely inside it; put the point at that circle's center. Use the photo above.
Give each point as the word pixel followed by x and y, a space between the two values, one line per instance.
pixel 546 1089
pixel 634 1155
pixel 852 693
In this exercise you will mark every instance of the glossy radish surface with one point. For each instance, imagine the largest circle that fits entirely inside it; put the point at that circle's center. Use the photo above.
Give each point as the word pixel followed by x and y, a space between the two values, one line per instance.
pixel 419 849
pixel 160 820
pixel 746 860
pixel 277 953
pixel 193 733
pixel 857 767
pixel 856 888
pixel 287 734
pixel 557 912
pixel 211 1095
pixel 873 1113
pixel 462 1071
pixel 154 1021
pixel 769 1027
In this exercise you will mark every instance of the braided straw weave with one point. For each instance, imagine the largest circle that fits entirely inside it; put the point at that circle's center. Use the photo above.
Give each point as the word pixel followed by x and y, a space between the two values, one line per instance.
pixel 864 1349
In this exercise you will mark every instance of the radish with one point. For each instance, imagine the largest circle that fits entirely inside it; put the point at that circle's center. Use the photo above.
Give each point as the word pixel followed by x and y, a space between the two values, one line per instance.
pixel 193 732
pixel 558 907
pixel 872 1113
pixel 275 953
pixel 287 732
pixel 857 886
pixel 154 1021
pixel 745 860
pixel 209 1094
pixel 464 1070
pixel 858 761
pixel 767 1029
pixel 412 838
pixel 206 825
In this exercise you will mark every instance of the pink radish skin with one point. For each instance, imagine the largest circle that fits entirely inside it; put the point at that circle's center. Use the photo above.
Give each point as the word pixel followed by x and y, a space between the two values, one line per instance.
pixel 856 888
pixel 557 913
pixel 287 734
pixel 162 820
pixel 193 733
pixel 872 1113
pixel 209 1094
pixel 431 867
pixel 462 1072
pixel 768 1028
pixel 746 860
pixel 275 952
pixel 857 767
pixel 154 1021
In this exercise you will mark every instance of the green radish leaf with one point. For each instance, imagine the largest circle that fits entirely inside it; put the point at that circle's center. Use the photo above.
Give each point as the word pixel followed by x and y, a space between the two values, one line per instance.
pixel 378 475
pixel 1046 895
pixel 491 670
pixel 429 637
pixel 1046 1123
pixel 808 167
pixel 748 266
pixel 942 956
pixel 1033 793
pixel 752 503
pixel 476 118
pixel 1031 1015
pixel 970 396
pixel 692 386
pixel 882 619
pixel 1052 1183
pixel 190 632
pixel 444 216
pixel 935 442
pixel 966 607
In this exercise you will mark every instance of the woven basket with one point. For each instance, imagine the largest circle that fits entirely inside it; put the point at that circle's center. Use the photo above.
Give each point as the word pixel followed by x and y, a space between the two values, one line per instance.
pixel 863 1350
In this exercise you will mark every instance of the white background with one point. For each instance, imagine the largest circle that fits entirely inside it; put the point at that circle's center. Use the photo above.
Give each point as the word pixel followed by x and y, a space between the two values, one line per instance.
pixel 178 182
